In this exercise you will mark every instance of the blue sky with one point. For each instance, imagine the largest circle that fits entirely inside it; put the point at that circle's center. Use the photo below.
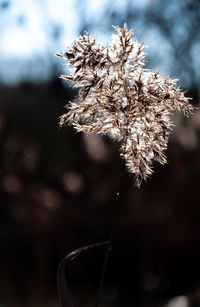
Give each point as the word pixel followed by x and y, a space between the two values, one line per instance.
pixel 32 31
pixel 25 25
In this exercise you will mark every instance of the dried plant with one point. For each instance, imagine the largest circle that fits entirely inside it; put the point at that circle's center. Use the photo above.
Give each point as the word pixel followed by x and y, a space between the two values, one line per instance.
pixel 120 98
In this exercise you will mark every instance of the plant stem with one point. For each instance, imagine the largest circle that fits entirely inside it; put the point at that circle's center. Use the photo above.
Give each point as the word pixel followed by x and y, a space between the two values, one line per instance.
pixel 112 233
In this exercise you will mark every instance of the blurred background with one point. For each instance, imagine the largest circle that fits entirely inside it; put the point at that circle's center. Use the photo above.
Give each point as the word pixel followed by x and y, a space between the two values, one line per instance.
pixel 58 188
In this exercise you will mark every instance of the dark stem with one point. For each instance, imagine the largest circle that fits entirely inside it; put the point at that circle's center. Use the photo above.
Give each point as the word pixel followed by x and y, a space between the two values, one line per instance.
pixel 112 233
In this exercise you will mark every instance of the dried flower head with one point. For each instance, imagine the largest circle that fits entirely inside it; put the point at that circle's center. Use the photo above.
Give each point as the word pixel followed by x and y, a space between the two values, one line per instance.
pixel 120 98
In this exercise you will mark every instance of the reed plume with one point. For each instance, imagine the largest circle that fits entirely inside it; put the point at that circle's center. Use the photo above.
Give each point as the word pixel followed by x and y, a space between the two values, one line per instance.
pixel 120 98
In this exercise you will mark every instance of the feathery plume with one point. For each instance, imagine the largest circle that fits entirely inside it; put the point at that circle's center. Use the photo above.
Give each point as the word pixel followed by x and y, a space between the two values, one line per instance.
pixel 120 98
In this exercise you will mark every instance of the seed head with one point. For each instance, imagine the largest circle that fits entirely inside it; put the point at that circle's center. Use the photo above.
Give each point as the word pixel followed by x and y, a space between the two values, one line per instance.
pixel 120 98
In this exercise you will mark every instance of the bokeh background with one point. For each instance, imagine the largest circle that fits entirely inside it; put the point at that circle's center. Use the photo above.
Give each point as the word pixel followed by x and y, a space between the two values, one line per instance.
pixel 58 188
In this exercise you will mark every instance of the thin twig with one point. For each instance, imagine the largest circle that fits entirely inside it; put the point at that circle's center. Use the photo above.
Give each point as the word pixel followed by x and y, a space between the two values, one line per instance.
pixel 112 233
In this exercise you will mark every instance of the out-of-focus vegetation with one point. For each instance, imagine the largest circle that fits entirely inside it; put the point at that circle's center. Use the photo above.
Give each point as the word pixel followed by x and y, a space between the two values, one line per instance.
pixel 58 188
pixel 58 193
pixel 32 32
